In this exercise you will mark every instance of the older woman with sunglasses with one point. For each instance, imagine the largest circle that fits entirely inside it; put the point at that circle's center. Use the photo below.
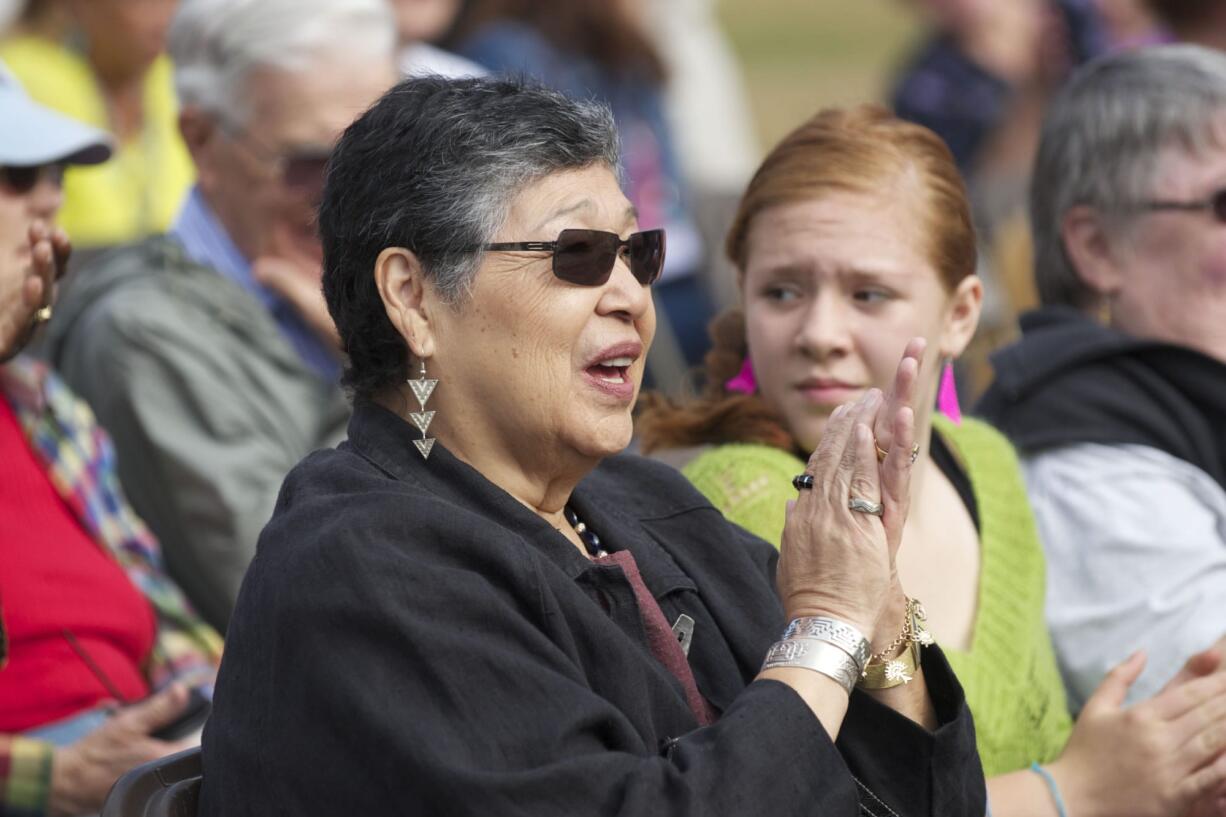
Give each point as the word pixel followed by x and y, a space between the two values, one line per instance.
pixel 476 605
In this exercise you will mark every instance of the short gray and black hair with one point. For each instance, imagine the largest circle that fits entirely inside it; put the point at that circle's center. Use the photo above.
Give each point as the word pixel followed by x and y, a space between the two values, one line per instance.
pixel 216 44
pixel 434 167
pixel 1102 137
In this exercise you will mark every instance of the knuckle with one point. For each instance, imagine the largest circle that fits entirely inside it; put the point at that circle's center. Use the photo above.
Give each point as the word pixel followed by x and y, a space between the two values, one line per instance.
pixel 863 488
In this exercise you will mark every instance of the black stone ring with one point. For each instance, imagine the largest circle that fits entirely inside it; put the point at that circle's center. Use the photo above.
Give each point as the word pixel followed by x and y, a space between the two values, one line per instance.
pixel 803 482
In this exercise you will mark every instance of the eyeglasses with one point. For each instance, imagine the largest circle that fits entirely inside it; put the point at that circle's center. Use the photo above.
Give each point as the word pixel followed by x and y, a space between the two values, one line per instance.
pixel 301 172
pixel 1215 204
pixel 586 257
pixel 21 179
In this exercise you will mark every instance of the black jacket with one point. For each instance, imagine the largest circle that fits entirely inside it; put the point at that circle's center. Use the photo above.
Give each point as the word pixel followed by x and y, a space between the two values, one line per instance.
pixel 1070 380
pixel 412 640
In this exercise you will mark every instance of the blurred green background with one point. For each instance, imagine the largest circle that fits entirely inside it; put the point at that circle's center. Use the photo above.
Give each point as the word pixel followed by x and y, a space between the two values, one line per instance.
pixel 801 55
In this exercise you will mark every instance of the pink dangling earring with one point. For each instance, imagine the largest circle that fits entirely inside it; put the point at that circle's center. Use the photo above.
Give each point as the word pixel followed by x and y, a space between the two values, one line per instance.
pixel 947 396
pixel 744 382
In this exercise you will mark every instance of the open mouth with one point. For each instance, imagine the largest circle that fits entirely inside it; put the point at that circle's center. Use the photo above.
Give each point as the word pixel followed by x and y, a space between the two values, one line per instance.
pixel 614 371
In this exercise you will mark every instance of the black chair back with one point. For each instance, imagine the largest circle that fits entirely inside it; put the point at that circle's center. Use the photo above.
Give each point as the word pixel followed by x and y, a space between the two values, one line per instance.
pixel 169 787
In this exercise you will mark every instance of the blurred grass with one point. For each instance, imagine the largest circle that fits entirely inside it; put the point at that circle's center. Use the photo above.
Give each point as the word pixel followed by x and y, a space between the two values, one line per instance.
pixel 802 55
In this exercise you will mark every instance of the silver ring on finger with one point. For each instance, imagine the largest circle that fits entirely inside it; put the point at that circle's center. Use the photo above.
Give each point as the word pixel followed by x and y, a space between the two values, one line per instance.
pixel 864 506
pixel 803 482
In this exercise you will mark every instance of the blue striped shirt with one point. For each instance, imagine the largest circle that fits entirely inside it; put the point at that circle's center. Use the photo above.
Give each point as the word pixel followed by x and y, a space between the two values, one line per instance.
pixel 207 243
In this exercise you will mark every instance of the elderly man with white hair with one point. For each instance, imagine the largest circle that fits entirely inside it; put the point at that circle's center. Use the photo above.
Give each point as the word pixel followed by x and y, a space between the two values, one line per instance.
pixel 208 352
pixel 1116 393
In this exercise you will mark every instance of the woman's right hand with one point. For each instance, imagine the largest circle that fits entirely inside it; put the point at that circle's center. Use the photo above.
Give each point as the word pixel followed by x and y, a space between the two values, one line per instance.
pixel 833 561
pixel 82 773
pixel 832 558
pixel 1156 758
pixel 26 290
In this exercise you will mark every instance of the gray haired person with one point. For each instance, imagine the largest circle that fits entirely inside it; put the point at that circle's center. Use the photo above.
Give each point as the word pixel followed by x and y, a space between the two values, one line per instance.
pixel 208 352
pixel 1116 393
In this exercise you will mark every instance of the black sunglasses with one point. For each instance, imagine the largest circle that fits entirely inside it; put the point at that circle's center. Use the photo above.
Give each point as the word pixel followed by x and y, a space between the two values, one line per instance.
pixel 21 179
pixel 586 257
pixel 1215 204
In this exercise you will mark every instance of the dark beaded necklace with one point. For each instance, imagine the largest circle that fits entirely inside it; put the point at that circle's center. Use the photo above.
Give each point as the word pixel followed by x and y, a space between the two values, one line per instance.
pixel 586 535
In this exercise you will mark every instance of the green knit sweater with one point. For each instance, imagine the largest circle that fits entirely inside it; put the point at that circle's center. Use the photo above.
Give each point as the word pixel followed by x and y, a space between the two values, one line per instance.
pixel 1012 684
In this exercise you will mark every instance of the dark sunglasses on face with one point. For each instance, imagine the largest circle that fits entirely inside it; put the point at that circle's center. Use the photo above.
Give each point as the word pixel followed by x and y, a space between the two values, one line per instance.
pixel 586 257
pixel 299 171
pixel 1215 204
pixel 303 173
pixel 21 179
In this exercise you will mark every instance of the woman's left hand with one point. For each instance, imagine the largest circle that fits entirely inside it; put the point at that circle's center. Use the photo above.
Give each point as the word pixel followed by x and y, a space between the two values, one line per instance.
pixel 32 289
pixel 889 428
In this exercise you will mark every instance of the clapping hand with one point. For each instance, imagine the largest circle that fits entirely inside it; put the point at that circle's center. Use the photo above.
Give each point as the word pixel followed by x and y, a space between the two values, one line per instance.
pixel 26 295
pixel 837 561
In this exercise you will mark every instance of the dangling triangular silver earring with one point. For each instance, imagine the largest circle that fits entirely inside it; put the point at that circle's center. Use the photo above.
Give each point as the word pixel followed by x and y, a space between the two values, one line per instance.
pixel 422 389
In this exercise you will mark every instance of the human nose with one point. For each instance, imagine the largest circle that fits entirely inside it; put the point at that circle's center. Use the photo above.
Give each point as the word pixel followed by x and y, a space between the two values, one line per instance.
pixel 825 330
pixel 623 295
pixel 46 197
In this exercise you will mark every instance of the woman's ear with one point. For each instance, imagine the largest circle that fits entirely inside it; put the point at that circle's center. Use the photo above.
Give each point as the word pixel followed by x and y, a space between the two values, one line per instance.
pixel 962 316
pixel 407 298
pixel 1089 249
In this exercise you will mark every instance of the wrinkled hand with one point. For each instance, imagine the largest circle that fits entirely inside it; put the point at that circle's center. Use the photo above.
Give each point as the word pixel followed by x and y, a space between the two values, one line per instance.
pixel 24 293
pixel 83 772
pixel 1157 758
pixel 841 563
pixel 296 275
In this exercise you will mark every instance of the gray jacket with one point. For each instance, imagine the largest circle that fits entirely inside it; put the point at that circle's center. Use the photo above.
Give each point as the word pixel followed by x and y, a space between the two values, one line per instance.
pixel 207 402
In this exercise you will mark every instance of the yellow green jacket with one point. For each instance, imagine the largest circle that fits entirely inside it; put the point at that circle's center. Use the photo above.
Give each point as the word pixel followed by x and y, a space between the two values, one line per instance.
pixel 1010 675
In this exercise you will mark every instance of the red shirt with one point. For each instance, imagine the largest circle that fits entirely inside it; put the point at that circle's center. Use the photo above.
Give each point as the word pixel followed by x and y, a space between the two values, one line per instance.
pixel 55 578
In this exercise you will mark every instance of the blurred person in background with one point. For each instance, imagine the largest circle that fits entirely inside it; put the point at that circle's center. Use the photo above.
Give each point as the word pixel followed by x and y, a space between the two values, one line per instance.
pixel 420 24
pixel 102 62
pixel 599 49
pixel 1116 393
pixel 985 60
pixel 208 352
pixel 981 80
pixel 88 619
pixel 854 236
pixel 707 105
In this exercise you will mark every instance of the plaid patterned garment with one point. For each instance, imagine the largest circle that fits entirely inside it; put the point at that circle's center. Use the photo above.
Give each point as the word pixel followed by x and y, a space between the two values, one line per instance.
pixel 81 465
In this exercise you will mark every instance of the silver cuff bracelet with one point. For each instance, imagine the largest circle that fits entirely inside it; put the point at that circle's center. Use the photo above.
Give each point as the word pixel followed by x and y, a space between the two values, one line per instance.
pixel 831 630
pixel 819 656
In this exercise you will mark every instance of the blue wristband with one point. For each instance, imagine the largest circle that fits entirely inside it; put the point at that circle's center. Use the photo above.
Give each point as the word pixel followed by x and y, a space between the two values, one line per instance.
pixel 1051 787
